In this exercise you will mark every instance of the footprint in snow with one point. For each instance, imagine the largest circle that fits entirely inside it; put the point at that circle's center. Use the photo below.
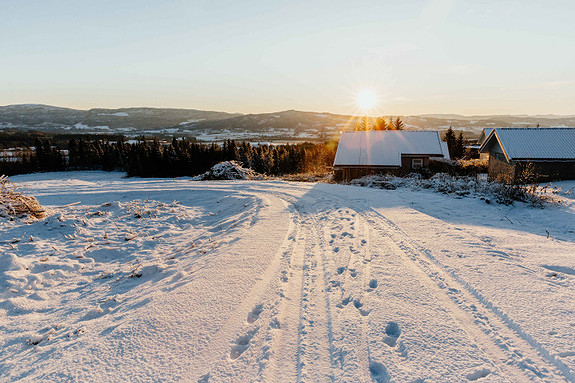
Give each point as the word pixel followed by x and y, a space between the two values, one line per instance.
pixel 359 306
pixel 392 332
pixel 344 302
pixel 482 373
pixel 378 372
pixel 255 314
pixel 241 345
pixel 372 285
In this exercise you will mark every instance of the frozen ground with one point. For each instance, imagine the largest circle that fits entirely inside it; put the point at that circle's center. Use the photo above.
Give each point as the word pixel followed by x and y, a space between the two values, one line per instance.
pixel 174 280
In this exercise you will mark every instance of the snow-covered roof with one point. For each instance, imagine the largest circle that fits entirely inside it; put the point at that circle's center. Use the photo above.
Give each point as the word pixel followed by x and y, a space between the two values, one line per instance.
pixel 445 150
pixel 385 147
pixel 533 143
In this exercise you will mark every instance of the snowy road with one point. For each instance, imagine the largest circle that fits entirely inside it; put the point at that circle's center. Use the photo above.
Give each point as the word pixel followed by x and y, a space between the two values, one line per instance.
pixel 274 281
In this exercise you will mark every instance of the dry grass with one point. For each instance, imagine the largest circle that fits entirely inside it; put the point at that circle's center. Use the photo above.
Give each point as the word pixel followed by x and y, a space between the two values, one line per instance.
pixel 324 177
pixel 14 203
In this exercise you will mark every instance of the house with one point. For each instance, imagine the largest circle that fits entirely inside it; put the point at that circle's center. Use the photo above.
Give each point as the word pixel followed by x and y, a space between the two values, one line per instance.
pixel 386 151
pixel 482 137
pixel 530 154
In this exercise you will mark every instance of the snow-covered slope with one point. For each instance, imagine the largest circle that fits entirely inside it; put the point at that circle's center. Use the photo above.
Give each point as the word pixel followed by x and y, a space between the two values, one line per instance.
pixel 176 280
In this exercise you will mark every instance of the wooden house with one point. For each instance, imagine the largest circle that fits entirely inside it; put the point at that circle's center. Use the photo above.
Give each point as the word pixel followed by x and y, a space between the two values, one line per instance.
pixel 386 151
pixel 522 155
pixel 482 137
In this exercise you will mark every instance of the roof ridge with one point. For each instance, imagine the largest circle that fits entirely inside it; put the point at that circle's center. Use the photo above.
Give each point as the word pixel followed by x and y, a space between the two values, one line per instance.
pixel 539 128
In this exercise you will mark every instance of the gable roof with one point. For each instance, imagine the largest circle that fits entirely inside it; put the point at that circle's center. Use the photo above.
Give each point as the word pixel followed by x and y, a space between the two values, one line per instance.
pixel 385 147
pixel 533 143
pixel 484 134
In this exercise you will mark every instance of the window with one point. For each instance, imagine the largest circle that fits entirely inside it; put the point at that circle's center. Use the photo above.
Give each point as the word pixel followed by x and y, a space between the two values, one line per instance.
pixel 416 163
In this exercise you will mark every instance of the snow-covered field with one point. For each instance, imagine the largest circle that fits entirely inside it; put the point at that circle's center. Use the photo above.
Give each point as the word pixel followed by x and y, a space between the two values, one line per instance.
pixel 177 280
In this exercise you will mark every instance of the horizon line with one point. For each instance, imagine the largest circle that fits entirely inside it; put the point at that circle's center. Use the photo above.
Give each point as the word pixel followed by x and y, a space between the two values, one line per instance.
pixel 302 111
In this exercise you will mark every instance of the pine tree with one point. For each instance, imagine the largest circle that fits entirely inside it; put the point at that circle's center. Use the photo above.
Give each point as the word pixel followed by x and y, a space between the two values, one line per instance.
pixel 450 139
pixel 398 124
pixel 459 146
pixel 381 124
pixel 363 124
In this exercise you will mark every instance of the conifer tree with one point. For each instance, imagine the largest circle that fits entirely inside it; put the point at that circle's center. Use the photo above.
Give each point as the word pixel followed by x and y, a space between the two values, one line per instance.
pixel 450 139
pixel 459 146
pixel 381 124
pixel 363 124
pixel 398 124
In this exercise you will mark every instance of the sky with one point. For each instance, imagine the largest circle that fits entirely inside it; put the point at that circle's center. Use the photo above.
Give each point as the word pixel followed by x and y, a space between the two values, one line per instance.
pixel 419 56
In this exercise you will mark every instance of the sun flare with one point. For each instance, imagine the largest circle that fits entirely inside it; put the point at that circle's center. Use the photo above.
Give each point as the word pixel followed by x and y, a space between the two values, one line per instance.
pixel 366 99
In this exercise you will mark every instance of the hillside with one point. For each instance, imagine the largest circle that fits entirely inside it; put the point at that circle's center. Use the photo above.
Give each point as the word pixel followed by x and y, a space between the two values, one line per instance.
pixel 45 117
pixel 285 126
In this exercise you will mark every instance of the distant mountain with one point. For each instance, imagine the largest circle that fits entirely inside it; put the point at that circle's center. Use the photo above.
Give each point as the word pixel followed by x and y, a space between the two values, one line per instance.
pixel 209 126
pixel 45 117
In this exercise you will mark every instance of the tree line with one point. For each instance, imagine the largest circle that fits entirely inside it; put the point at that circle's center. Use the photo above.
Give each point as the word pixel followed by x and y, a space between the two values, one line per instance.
pixel 152 158
pixel 381 123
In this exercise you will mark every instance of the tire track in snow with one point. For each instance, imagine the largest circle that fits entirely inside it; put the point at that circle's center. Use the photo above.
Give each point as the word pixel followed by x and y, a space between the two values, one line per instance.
pixel 316 322
pixel 354 343
pixel 237 336
pixel 304 314
pixel 285 359
pixel 319 308
pixel 485 323
pixel 351 248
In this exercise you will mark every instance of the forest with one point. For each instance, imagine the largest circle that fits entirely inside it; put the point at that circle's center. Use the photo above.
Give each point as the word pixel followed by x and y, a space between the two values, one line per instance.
pixel 153 158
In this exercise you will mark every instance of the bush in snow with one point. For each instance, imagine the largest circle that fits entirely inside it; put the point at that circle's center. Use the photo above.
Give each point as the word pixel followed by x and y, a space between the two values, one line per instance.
pixel 461 167
pixel 14 203
pixel 228 170
pixel 461 186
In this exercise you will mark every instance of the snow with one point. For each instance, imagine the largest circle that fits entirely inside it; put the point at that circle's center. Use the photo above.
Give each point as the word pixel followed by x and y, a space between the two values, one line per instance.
pixel 384 148
pixel 80 125
pixel 191 121
pixel 119 114
pixel 238 281
pixel 445 151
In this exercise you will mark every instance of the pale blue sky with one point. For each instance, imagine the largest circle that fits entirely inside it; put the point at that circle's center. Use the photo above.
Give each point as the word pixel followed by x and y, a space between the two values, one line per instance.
pixel 421 56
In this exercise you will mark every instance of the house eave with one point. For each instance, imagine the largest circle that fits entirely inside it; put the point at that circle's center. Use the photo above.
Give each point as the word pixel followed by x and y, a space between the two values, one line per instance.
pixel 543 159
pixel 367 166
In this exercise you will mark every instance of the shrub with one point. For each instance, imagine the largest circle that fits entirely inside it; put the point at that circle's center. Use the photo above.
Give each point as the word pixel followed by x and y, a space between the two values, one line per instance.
pixel 462 186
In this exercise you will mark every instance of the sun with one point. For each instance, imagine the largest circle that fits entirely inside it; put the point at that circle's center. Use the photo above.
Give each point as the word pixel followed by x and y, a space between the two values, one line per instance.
pixel 366 99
